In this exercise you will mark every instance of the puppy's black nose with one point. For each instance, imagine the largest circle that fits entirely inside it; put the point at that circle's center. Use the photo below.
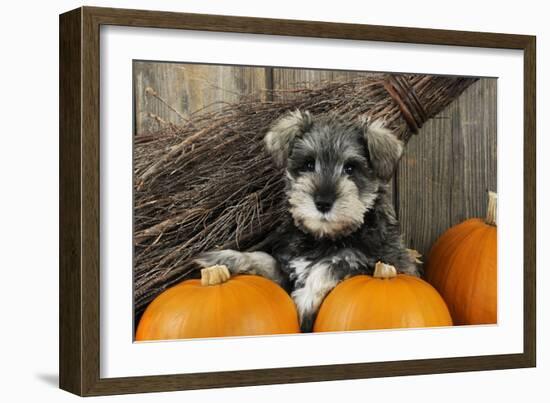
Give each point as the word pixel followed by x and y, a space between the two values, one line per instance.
pixel 324 203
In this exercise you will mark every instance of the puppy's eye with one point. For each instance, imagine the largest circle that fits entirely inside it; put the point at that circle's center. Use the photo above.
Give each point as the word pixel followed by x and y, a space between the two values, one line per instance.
pixel 309 165
pixel 349 168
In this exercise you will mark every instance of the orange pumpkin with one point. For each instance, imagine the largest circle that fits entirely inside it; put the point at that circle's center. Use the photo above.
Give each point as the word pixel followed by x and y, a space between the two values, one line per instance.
pixel 462 266
pixel 219 305
pixel 385 300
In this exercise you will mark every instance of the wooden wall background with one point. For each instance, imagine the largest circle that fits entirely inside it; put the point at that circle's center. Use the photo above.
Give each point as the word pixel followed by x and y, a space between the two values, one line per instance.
pixel 441 180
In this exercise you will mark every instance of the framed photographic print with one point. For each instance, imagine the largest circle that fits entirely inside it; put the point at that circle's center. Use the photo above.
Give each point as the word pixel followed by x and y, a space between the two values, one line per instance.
pixel 250 201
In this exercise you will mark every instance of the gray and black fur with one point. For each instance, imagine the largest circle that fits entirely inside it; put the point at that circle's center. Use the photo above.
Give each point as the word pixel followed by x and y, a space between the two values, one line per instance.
pixel 340 220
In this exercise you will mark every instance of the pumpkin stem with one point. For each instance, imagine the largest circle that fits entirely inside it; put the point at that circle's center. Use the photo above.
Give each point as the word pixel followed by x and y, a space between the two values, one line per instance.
pixel 491 217
pixel 385 271
pixel 214 275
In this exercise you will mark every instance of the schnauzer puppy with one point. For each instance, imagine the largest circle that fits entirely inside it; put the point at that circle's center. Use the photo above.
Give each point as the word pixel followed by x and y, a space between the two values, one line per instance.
pixel 340 220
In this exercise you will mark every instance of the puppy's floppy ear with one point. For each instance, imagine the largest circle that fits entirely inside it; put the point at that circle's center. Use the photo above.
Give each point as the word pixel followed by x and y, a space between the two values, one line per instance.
pixel 282 133
pixel 385 149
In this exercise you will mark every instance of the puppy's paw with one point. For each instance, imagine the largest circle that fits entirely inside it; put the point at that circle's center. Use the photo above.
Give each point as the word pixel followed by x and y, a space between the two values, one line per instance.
pixel 412 269
pixel 307 305
pixel 232 259
pixel 306 323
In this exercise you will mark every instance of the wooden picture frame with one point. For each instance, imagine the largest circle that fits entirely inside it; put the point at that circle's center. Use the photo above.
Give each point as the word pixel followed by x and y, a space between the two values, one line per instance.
pixel 79 200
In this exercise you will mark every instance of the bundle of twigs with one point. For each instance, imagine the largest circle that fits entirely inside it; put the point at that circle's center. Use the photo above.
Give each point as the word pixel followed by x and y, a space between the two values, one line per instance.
pixel 210 184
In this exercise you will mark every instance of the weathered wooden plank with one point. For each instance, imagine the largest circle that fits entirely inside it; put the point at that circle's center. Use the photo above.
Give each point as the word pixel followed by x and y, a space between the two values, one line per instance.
pixel 172 92
pixel 448 168
pixel 293 78
pixel 424 181
pixel 284 78
pixel 474 150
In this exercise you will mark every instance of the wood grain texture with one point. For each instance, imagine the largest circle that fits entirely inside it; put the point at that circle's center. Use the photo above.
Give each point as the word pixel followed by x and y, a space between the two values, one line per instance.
pixel 162 383
pixel 294 78
pixel 70 275
pixel 173 92
pixel 423 183
pixel 449 166
pixel 530 203
pixel 79 191
pixel 313 29
pixel 90 203
pixel 474 150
